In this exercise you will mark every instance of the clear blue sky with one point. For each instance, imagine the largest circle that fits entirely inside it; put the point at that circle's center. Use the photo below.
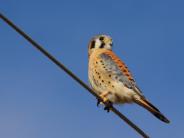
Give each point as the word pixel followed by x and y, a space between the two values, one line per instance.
pixel 38 100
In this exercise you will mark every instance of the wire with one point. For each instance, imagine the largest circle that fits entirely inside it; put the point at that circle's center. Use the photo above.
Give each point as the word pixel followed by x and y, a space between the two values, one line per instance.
pixel 61 66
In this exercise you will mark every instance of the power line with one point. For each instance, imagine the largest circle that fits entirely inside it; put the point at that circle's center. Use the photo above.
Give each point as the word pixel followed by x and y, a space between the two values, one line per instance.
pixel 61 66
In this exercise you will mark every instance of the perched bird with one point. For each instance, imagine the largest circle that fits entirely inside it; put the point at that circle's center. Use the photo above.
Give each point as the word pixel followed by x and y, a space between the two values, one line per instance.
pixel 110 78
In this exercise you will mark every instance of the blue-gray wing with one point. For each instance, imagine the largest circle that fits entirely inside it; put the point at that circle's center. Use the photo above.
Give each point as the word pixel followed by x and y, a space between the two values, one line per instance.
pixel 119 71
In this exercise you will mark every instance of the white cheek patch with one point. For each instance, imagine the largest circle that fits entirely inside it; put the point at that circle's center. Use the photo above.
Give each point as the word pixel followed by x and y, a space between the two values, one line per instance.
pixel 97 43
pixel 108 47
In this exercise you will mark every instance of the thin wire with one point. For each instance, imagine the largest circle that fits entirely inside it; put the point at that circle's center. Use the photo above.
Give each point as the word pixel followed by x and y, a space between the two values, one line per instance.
pixel 61 66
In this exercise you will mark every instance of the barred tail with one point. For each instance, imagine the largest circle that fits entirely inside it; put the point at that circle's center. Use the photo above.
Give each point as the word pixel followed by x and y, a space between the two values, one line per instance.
pixel 147 105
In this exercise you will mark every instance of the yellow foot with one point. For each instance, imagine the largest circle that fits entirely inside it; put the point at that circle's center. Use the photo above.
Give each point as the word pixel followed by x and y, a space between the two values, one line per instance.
pixel 108 104
pixel 104 100
pixel 104 96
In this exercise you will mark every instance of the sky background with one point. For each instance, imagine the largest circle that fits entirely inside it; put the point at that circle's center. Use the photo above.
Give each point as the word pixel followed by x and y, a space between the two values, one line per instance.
pixel 38 100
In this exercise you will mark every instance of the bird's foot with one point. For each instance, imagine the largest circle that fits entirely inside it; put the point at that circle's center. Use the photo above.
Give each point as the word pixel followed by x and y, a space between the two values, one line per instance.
pixel 104 100
pixel 108 106
pixel 98 102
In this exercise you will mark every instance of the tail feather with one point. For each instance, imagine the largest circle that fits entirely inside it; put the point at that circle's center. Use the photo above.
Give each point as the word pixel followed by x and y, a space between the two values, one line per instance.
pixel 146 104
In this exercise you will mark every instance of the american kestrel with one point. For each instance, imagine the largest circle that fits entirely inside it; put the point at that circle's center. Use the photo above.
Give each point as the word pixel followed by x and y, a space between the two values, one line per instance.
pixel 110 78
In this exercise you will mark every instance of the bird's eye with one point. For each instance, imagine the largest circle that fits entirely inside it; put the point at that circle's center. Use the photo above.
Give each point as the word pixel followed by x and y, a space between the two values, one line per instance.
pixel 92 45
pixel 111 44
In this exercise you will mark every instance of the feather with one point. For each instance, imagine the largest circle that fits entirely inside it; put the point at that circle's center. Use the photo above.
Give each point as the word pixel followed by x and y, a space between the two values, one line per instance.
pixel 120 70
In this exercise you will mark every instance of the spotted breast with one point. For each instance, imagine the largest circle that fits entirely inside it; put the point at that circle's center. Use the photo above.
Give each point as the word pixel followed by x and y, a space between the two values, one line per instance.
pixel 106 75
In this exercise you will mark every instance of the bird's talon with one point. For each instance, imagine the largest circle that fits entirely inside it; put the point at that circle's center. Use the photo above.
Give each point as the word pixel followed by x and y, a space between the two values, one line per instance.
pixel 108 106
pixel 98 102
pixel 107 109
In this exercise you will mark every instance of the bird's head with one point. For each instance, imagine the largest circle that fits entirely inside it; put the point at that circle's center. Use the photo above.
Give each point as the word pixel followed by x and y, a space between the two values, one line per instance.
pixel 100 42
